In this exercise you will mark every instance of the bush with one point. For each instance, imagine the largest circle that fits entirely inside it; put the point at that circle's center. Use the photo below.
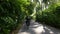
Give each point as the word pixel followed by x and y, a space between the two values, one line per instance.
pixel 50 16
pixel 12 12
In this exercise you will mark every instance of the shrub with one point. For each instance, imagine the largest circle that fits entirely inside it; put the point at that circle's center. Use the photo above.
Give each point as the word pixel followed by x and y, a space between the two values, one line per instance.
pixel 50 16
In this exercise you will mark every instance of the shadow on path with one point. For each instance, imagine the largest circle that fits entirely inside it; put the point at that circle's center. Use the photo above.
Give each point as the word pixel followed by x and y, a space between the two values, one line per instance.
pixel 49 30
pixel 36 28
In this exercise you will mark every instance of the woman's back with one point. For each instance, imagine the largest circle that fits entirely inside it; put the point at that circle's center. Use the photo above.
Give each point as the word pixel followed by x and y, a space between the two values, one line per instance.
pixel 28 20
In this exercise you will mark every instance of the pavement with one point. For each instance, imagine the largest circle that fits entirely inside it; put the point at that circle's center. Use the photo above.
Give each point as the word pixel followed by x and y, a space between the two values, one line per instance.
pixel 37 28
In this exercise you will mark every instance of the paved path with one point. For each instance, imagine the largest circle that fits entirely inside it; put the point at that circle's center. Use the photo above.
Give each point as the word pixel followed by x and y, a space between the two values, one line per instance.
pixel 36 28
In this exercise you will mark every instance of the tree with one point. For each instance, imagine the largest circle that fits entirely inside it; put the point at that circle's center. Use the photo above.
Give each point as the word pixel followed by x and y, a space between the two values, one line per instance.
pixel 12 12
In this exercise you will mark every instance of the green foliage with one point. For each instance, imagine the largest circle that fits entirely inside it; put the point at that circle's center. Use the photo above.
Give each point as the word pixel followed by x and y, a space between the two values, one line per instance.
pixel 50 16
pixel 12 12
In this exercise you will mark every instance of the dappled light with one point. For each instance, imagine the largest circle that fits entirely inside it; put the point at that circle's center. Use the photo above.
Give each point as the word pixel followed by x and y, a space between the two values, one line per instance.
pixel 36 28
pixel 29 16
